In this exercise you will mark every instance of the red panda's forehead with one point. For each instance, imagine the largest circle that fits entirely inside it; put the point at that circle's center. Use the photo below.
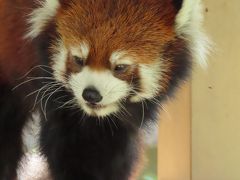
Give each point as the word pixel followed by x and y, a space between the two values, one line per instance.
pixel 142 27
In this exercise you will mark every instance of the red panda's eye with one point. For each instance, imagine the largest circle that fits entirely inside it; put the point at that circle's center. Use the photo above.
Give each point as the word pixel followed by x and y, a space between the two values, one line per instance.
pixel 79 61
pixel 121 68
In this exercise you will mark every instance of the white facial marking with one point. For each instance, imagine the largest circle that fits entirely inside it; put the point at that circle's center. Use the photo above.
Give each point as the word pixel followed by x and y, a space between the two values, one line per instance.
pixel 111 89
pixel 189 24
pixel 80 51
pixel 121 57
pixel 59 60
pixel 41 16
pixel 150 76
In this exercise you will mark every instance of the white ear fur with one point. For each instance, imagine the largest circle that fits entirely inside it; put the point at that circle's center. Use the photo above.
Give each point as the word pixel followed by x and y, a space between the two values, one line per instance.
pixel 39 17
pixel 189 25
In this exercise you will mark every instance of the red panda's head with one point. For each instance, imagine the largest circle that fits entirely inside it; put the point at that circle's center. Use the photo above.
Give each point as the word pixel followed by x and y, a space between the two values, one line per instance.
pixel 110 51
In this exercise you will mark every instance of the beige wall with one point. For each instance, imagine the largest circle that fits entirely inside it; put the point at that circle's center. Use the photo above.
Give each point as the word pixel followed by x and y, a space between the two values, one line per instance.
pixel 216 98
pixel 209 114
pixel 174 138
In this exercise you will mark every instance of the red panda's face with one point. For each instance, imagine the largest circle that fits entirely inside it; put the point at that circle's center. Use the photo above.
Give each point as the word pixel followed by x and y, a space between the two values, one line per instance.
pixel 112 51
pixel 109 53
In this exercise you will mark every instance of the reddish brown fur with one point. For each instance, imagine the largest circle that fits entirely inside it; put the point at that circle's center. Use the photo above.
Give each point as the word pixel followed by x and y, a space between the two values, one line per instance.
pixel 16 55
pixel 141 28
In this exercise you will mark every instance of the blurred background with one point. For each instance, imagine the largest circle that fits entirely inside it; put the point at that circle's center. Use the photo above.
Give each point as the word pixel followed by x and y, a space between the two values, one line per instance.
pixel 199 135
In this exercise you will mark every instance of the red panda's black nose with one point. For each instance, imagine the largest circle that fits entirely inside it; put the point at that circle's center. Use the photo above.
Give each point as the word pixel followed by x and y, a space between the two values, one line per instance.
pixel 91 95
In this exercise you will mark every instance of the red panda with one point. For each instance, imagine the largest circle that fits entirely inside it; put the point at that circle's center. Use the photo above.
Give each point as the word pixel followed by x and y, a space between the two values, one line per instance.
pixel 97 71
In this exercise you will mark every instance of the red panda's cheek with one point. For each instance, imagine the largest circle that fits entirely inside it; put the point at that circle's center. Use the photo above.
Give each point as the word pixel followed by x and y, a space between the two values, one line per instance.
pixel 149 77
pixel 65 59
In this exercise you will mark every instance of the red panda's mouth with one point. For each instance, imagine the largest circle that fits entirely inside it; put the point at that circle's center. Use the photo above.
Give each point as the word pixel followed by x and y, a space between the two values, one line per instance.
pixel 100 110
pixel 95 106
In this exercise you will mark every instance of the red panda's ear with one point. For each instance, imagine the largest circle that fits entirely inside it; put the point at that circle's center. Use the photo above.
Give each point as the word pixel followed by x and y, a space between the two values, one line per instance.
pixel 177 4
